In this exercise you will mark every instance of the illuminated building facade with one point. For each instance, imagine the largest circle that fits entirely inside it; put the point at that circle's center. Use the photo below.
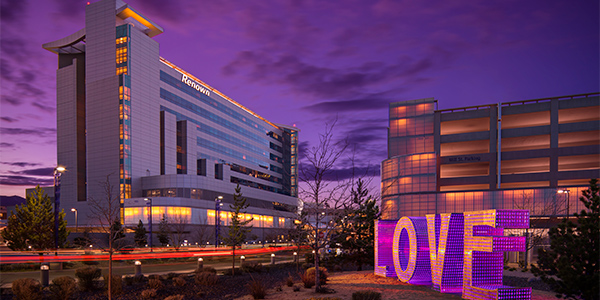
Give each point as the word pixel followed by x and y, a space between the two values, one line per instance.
pixel 161 133
pixel 534 154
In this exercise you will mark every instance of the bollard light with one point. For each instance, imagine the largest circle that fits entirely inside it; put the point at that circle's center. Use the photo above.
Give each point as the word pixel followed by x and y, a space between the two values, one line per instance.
pixel 45 275
pixel 272 258
pixel 272 254
pixel 200 263
pixel 138 268
pixel 242 257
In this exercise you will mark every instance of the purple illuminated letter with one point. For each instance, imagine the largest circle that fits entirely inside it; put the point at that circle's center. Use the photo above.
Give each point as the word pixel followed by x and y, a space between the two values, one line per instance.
pixel 411 251
pixel 485 244
pixel 446 251
pixel 384 235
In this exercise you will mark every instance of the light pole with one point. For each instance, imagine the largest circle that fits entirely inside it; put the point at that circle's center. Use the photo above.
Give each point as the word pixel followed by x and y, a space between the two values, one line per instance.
pixel 76 220
pixel 149 205
pixel 565 191
pixel 57 172
pixel 218 205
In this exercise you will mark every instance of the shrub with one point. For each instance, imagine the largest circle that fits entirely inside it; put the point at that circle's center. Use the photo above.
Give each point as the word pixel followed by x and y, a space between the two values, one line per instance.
pixel 324 298
pixel 172 275
pixel 206 278
pixel 62 288
pixel 366 295
pixel 155 283
pixel 257 289
pixel 251 267
pixel 148 294
pixel 207 269
pixel 289 281
pixel 27 289
pixel 310 272
pixel 154 276
pixel 129 280
pixel 307 280
pixel 179 281
pixel 229 273
pixel 175 297
pixel 117 284
pixel 87 277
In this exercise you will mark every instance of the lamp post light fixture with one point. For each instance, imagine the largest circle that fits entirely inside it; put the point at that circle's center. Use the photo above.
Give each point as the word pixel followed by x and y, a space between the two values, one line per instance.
pixel 149 205
pixel 218 205
pixel 565 191
pixel 76 220
pixel 57 173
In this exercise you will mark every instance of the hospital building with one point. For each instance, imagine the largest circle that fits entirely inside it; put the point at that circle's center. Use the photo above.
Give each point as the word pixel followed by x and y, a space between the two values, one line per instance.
pixel 162 136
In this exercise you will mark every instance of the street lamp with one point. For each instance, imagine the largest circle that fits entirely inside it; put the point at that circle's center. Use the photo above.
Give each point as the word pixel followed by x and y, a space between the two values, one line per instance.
pixel 218 205
pixel 76 220
pixel 149 205
pixel 57 172
pixel 565 191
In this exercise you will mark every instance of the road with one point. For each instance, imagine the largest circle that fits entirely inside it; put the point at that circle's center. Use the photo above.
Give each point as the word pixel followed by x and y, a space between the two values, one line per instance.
pixel 215 259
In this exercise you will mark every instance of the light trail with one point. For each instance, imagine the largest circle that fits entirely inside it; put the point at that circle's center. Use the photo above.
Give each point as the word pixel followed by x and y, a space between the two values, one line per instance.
pixel 206 252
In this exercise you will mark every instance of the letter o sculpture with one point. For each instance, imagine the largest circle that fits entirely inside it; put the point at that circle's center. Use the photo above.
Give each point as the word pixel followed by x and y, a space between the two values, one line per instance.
pixel 417 270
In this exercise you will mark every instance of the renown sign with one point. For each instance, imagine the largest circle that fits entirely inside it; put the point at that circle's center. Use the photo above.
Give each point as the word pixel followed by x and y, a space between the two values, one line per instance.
pixel 185 79
pixel 454 252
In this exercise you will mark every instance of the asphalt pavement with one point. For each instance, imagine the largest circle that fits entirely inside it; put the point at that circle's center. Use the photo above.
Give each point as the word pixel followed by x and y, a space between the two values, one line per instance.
pixel 121 268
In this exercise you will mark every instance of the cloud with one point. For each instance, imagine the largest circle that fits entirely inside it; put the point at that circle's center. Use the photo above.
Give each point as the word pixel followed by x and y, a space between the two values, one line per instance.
pixel 6 145
pixel 365 135
pixel 341 174
pixel 28 89
pixel 329 83
pixel 15 48
pixel 45 108
pixel 24 180
pixel 40 132
pixel 302 147
pixel 12 10
pixel 347 105
pixel 20 164
pixel 71 7
pixel 11 100
pixel 8 119
pixel 35 172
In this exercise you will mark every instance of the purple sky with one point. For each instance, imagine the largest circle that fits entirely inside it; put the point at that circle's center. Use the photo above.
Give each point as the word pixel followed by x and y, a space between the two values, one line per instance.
pixel 306 62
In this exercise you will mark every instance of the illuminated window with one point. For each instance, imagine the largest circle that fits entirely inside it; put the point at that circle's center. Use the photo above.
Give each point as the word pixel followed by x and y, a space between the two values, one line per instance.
pixel 526 143
pixel 581 138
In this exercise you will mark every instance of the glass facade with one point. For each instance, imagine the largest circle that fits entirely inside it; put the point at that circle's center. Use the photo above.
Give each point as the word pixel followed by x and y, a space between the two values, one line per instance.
pixel 411 168
pixel 513 155
pixel 203 216
pixel 122 65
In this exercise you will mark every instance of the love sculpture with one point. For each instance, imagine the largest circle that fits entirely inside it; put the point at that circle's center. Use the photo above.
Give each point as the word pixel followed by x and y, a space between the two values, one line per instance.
pixel 454 252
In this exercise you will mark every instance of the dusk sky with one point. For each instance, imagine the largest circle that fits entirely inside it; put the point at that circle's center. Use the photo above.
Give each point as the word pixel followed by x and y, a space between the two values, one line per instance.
pixel 305 63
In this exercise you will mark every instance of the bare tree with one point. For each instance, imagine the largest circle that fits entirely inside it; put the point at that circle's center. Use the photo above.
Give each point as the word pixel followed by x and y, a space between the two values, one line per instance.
pixel 106 210
pixel 202 234
pixel 323 195
pixel 543 211
pixel 178 224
